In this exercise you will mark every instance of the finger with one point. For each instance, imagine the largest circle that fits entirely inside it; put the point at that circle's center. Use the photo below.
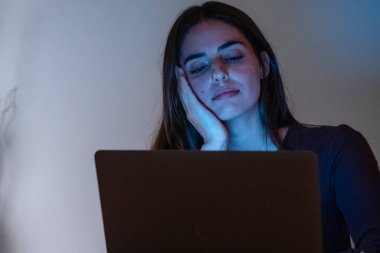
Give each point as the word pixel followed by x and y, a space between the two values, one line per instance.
pixel 187 96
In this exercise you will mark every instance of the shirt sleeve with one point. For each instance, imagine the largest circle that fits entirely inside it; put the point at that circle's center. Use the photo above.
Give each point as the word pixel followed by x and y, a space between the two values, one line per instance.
pixel 356 182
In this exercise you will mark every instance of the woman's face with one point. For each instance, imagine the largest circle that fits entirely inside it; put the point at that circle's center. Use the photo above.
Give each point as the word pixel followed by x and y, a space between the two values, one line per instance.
pixel 222 69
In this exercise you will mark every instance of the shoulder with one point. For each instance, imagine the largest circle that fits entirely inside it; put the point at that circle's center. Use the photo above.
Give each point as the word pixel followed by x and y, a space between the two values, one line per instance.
pixel 321 130
pixel 328 141
pixel 333 144
pixel 305 135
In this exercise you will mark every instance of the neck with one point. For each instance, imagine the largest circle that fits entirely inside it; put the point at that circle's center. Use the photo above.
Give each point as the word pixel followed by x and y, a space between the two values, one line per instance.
pixel 247 133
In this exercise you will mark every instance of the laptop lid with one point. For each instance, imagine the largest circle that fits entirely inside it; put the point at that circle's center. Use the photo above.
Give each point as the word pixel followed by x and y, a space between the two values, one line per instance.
pixel 193 201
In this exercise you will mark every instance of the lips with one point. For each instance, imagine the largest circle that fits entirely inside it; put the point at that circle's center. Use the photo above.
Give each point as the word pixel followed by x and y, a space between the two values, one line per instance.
pixel 223 94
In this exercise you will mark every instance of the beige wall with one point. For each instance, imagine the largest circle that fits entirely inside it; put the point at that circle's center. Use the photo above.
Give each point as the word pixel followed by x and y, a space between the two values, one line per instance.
pixel 88 78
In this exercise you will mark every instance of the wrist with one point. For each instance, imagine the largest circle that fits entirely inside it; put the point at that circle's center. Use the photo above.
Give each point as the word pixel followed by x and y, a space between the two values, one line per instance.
pixel 219 144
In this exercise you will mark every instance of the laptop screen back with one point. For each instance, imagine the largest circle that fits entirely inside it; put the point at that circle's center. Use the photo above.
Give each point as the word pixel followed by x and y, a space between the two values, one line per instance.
pixel 192 201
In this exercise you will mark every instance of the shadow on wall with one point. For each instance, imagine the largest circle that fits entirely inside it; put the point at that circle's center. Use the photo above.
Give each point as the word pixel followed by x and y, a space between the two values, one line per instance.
pixel 7 111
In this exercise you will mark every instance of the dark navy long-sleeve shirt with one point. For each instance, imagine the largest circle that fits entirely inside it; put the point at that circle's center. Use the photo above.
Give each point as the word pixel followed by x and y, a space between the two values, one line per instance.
pixel 350 185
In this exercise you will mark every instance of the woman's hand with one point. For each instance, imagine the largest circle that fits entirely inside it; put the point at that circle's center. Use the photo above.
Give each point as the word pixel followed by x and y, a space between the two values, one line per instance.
pixel 212 130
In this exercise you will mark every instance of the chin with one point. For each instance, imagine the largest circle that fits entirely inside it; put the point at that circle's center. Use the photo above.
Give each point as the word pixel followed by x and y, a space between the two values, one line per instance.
pixel 232 111
pixel 229 114
pixel 226 118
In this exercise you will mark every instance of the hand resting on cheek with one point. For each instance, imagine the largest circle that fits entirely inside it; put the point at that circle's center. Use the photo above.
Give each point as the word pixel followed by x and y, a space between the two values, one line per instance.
pixel 211 129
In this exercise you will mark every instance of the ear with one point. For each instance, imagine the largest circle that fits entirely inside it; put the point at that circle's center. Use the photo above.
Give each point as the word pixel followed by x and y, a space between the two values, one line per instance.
pixel 264 69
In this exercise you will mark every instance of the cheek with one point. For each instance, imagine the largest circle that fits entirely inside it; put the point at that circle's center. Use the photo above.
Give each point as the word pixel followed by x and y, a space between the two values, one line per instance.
pixel 199 87
pixel 251 76
pixel 254 85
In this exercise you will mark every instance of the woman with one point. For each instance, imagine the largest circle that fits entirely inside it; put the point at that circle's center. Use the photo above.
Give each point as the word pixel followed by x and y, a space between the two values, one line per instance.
pixel 222 90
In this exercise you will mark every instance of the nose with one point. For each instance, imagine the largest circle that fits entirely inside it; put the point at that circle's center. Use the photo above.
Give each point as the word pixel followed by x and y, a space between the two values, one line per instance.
pixel 219 72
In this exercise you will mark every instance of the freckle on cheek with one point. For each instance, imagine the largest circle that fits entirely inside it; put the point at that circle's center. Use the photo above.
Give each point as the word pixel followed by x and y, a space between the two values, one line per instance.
pixel 202 91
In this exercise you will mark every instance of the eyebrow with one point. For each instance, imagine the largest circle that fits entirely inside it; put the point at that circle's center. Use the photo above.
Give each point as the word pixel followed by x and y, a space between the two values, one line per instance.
pixel 220 48
pixel 228 44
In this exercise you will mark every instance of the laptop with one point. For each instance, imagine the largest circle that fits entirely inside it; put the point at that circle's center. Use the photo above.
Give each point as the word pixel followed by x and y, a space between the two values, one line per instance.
pixel 194 201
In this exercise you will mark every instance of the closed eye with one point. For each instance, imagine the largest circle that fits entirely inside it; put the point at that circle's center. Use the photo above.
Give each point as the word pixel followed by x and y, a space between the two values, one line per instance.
pixel 199 69
pixel 233 59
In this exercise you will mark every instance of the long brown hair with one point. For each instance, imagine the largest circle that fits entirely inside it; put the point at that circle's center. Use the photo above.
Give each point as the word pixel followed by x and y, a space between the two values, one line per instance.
pixel 175 131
